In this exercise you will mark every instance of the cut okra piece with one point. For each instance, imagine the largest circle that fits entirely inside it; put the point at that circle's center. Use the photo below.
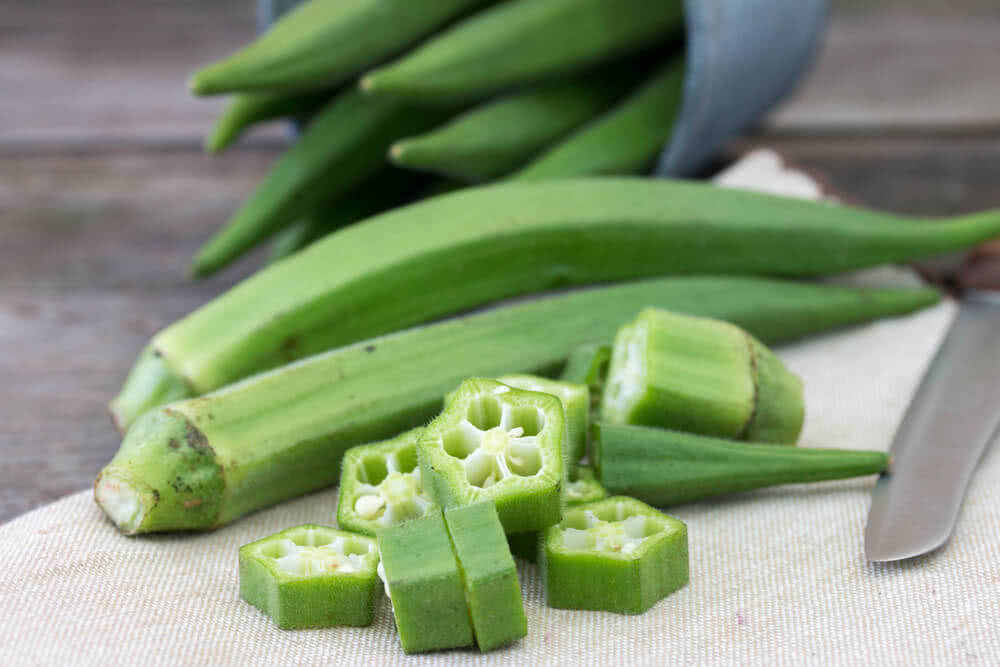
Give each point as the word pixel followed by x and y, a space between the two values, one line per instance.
pixel 311 576
pixel 585 488
pixel 616 554
pixel 424 584
pixel 494 442
pixel 489 574
pixel 575 399
pixel 380 485
pixel 703 376
pixel 588 364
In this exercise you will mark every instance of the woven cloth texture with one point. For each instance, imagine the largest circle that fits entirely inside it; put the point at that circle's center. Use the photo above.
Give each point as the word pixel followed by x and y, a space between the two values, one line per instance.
pixel 777 576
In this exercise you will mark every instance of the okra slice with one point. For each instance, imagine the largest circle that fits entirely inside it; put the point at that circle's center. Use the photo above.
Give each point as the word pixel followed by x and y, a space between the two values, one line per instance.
pixel 588 364
pixel 424 584
pixel 494 442
pixel 585 488
pixel 311 576
pixel 380 485
pixel 703 376
pixel 575 399
pixel 616 554
pixel 489 574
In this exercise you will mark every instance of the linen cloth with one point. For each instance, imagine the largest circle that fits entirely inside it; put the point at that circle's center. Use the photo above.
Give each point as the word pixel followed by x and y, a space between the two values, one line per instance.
pixel 778 576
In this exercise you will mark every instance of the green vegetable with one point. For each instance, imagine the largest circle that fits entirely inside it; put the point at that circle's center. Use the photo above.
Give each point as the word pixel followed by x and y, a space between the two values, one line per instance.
pixel 248 109
pixel 493 442
pixel 388 188
pixel 477 245
pixel 585 488
pixel 616 554
pixel 669 467
pixel 325 42
pixel 703 376
pixel 311 577
pixel 588 364
pixel 344 144
pixel 423 580
pixel 524 545
pixel 624 140
pixel 488 573
pixel 575 399
pixel 380 485
pixel 498 136
pixel 200 463
pixel 524 40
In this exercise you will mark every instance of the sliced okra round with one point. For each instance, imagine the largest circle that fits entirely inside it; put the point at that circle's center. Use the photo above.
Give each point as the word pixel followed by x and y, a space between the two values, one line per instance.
pixel 575 399
pixel 494 442
pixel 424 584
pixel 616 554
pixel 703 376
pixel 380 485
pixel 311 576
pixel 585 488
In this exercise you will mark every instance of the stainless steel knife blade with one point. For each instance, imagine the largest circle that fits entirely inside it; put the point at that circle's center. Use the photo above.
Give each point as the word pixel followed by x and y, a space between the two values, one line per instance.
pixel 952 418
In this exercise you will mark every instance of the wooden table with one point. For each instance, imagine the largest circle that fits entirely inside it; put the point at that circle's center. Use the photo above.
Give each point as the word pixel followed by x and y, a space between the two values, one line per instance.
pixel 105 194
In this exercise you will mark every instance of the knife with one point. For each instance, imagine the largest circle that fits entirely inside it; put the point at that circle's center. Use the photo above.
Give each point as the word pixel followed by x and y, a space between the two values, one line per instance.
pixel 952 418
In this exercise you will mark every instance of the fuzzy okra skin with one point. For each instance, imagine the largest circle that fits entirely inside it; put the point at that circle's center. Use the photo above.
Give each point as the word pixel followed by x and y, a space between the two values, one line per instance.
pixel 477 245
pixel 488 574
pixel 380 485
pixel 494 138
pixel 664 467
pixel 624 140
pixel 496 443
pixel 200 463
pixel 524 40
pixel 343 144
pixel 617 554
pixel 324 42
pixel 247 109
pixel 701 375
pixel 311 576
pixel 423 580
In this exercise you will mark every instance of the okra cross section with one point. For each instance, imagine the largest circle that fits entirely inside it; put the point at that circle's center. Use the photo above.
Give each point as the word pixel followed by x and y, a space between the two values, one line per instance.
pixel 493 442
pixel 585 488
pixel 311 576
pixel 424 584
pixel 700 375
pixel 380 485
pixel 575 399
pixel 489 574
pixel 616 554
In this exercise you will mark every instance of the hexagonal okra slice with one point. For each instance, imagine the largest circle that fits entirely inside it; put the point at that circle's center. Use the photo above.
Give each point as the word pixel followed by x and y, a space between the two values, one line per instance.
pixel 380 485
pixel 575 399
pixel 616 554
pixel 493 442
pixel 311 576
pixel 424 584
pixel 488 573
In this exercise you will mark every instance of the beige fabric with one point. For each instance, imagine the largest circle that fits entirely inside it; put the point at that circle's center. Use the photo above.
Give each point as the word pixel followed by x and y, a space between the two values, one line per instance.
pixel 777 576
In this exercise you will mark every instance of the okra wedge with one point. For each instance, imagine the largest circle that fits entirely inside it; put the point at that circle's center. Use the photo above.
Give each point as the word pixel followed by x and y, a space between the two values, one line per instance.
pixel 493 442
pixel 311 576
pixel 575 399
pixel 325 42
pixel 246 110
pixel 380 485
pixel 488 574
pixel 474 246
pixel 616 554
pixel 521 41
pixel 200 463
pixel 624 140
pixel 701 375
pixel 423 581
pixel 665 467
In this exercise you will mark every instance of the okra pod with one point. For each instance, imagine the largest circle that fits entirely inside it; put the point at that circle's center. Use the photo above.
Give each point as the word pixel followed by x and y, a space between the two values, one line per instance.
pixel 665 467
pixel 470 247
pixel 326 42
pixel 200 463
pixel 247 109
pixel 524 40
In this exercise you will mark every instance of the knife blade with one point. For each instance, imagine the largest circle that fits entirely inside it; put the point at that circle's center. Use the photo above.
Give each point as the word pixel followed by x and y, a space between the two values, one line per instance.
pixel 951 420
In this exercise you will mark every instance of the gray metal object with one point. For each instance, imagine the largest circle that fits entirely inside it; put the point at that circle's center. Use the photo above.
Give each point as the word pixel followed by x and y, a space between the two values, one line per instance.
pixel 952 419
pixel 743 56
